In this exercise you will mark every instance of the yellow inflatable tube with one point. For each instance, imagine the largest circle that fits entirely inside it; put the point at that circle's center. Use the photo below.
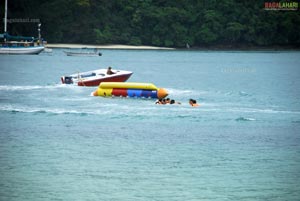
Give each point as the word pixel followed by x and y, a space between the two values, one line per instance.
pixel 127 85
pixel 130 89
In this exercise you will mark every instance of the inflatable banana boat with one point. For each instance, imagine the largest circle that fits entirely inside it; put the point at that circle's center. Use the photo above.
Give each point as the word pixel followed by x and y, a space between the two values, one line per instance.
pixel 130 89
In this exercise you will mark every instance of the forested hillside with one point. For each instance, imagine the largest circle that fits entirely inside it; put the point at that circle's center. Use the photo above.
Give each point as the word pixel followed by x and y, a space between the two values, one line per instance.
pixel 171 23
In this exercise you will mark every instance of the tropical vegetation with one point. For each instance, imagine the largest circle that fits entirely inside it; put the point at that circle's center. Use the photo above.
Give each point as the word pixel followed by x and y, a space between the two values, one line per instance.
pixel 170 23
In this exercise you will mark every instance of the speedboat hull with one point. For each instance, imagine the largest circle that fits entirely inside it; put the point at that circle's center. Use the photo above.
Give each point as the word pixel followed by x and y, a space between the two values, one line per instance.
pixel 94 78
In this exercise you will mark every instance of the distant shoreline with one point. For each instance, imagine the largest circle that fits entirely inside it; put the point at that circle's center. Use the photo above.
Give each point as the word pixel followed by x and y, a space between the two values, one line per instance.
pixel 246 48
pixel 120 47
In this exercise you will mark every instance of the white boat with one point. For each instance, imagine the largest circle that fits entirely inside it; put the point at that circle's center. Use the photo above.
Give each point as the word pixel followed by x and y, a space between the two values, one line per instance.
pixel 83 52
pixel 11 45
pixel 95 77
pixel 20 49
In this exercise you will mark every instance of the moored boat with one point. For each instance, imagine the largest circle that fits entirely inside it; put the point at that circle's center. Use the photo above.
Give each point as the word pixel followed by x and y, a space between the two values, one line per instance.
pixel 20 48
pixel 83 52
pixel 19 44
pixel 95 77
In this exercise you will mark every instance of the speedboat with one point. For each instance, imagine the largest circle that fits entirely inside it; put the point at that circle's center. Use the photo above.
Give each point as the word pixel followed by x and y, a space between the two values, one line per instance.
pixel 95 77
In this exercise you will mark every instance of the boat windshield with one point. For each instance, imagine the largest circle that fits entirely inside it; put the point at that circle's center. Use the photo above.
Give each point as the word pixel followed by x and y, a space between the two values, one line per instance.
pixel 87 75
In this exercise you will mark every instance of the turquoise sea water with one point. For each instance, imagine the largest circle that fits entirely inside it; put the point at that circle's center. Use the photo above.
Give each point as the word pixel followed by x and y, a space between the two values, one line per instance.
pixel 243 143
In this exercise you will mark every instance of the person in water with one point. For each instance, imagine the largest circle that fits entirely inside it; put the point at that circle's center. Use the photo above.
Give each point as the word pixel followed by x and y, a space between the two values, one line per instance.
pixel 166 101
pixel 193 103
pixel 109 71
pixel 174 102
pixel 159 102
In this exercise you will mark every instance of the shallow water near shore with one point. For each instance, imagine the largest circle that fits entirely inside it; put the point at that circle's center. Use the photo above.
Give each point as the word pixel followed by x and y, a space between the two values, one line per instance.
pixel 58 142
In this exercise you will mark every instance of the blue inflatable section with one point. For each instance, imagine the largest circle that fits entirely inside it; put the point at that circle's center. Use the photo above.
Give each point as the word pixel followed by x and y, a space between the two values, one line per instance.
pixel 134 92
pixel 142 93
pixel 149 93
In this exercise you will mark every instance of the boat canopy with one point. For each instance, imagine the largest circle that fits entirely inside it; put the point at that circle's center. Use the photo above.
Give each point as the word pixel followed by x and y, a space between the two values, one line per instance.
pixel 18 38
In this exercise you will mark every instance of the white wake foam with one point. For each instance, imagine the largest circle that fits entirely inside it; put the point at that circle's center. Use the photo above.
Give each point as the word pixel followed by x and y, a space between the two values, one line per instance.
pixel 25 109
pixel 257 110
pixel 30 87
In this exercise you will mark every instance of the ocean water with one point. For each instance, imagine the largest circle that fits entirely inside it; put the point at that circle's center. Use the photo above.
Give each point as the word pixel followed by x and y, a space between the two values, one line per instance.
pixel 58 142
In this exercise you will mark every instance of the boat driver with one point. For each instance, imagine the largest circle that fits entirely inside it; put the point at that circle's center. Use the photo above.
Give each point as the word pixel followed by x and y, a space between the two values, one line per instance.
pixel 109 71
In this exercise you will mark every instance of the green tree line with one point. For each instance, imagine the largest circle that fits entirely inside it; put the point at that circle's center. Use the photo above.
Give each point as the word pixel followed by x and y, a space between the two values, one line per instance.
pixel 170 23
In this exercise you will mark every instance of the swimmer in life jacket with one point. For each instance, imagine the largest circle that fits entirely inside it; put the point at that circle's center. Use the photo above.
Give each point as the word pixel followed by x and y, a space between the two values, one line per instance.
pixel 193 103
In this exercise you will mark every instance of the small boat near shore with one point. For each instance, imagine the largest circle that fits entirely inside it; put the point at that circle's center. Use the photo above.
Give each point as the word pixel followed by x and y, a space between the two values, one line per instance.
pixel 95 77
pixel 83 52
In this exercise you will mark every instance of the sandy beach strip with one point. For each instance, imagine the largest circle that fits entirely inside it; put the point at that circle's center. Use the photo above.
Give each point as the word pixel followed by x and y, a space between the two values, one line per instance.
pixel 120 47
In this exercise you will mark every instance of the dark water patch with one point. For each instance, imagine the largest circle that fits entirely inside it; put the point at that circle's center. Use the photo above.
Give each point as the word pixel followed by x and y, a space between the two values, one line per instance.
pixel 40 112
pixel 49 112
pixel 296 121
pixel 245 119
pixel 244 94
